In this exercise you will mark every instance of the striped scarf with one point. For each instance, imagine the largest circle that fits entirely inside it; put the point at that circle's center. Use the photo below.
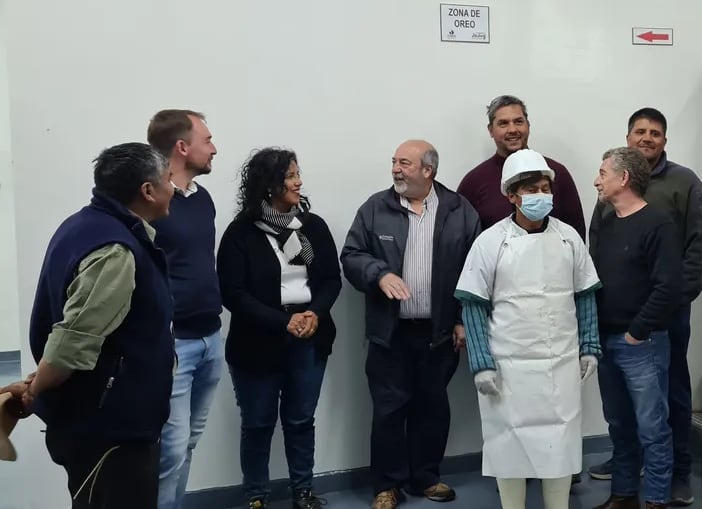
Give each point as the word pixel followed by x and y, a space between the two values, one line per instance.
pixel 285 227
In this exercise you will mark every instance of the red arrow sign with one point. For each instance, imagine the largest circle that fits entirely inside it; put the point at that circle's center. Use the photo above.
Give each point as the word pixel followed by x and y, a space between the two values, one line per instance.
pixel 650 36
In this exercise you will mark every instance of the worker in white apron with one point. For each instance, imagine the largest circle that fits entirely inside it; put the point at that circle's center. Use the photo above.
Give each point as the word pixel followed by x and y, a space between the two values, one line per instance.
pixel 528 292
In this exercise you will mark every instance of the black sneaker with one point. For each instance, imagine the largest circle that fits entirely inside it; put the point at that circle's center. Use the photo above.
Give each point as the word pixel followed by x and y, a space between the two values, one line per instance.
pixel 602 472
pixel 681 494
pixel 257 503
pixel 305 499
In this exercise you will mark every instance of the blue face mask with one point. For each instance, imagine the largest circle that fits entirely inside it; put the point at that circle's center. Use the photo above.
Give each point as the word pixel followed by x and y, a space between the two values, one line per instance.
pixel 536 206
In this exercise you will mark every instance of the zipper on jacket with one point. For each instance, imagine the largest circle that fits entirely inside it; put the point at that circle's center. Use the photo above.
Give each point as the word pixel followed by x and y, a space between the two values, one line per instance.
pixel 111 382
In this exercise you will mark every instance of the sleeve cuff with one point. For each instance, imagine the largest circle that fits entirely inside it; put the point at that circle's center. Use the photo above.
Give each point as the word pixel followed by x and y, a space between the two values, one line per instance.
pixel 463 295
pixel 639 332
pixel 590 289
pixel 380 275
pixel 484 369
pixel 591 349
pixel 73 350
pixel 488 365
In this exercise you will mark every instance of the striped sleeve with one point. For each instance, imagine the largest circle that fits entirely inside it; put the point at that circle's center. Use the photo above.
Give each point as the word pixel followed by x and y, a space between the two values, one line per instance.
pixel 475 321
pixel 586 312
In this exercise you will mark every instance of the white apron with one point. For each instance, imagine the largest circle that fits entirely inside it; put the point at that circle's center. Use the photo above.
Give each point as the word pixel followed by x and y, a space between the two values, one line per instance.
pixel 533 429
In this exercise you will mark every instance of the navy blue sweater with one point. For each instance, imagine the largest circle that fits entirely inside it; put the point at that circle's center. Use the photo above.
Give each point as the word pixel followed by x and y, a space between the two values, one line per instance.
pixel 126 396
pixel 187 236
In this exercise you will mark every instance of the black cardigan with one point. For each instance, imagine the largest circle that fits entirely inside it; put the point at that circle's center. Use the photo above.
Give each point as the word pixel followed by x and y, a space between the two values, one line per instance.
pixel 249 279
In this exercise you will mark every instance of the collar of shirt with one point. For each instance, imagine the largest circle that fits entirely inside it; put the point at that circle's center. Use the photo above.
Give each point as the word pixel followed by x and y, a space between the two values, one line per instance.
pixel 191 189
pixel 540 229
pixel 431 200
pixel 150 230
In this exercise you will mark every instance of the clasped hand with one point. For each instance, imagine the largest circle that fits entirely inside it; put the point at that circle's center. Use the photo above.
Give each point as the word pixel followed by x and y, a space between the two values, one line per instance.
pixel 303 325
pixel 22 398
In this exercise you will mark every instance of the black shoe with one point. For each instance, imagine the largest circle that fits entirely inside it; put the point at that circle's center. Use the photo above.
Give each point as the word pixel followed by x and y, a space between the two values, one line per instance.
pixel 680 493
pixel 576 479
pixel 603 471
pixel 258 503
pixel 305 499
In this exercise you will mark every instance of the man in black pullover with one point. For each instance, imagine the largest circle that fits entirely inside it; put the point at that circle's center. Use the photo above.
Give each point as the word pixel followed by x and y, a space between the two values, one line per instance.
pixel 677 191
pixel 639 263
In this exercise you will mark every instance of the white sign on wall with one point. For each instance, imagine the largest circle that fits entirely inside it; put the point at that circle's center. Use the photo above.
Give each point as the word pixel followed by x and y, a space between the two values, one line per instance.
pixel 465 23
pixel 652 36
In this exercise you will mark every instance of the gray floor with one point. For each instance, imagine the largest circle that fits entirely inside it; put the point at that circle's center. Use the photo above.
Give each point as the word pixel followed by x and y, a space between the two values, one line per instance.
pixel 475 492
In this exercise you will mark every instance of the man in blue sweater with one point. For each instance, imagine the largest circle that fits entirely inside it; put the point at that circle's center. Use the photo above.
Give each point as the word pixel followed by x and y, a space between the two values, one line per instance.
pixel 188 236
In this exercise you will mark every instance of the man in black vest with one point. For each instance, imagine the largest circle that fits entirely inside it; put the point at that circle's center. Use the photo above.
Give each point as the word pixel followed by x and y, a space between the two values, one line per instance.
pixel 100 333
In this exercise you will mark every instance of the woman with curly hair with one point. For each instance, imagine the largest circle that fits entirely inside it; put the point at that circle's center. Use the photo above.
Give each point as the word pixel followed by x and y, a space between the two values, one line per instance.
pixel 279 277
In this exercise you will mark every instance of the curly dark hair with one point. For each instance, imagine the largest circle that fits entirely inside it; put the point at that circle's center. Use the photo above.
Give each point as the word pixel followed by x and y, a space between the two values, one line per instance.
pixel 262 177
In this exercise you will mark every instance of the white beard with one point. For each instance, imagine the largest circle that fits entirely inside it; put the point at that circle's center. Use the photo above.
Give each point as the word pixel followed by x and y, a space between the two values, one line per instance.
pixel 400 187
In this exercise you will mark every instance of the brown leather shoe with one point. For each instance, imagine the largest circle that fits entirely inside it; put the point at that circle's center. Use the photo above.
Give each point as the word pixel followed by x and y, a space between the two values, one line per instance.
pixel 440 492
pixel 386 499
pixel 619 502
pixel 655 505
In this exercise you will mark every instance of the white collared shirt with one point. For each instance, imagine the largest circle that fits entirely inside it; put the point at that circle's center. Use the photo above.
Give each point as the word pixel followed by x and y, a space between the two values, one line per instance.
pixel 419 251
pixel 190 190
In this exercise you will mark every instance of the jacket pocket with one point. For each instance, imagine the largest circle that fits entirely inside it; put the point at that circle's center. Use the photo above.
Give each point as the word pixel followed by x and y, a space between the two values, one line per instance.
pixel 111 381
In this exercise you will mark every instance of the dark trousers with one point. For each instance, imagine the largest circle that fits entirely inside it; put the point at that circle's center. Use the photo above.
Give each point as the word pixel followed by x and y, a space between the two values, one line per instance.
pixel 680 394
pixel 123 475
pixel 296 390
pixel 411 412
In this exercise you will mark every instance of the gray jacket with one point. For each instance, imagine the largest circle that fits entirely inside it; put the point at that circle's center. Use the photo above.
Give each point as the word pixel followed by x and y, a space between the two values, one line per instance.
pixel 375 246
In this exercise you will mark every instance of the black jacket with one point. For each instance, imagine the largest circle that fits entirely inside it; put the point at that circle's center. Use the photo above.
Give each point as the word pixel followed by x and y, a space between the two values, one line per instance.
pixel 375 246
pixel 249 279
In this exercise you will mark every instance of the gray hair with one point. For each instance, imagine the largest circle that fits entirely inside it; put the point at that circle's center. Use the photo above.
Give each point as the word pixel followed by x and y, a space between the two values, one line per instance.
pixel 431 158
pixel 121 170
pixel 501 102
pixel 632 161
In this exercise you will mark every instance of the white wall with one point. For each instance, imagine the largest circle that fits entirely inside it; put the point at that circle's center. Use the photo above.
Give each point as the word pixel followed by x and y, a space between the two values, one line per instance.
pixel 9 321
pixel 342 83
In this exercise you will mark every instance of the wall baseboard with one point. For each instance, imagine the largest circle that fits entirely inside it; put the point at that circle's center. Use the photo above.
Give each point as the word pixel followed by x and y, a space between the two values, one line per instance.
pixel 232 496
pixel 10 356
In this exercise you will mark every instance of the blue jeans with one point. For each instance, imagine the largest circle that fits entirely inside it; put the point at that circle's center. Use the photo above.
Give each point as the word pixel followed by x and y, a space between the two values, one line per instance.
pixel 680 397
pixel 200 364
pixel 634 389
pixel 296 389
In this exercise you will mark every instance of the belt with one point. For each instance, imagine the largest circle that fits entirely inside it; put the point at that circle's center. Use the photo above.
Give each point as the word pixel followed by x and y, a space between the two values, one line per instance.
pixel 295 308
pixel 415 321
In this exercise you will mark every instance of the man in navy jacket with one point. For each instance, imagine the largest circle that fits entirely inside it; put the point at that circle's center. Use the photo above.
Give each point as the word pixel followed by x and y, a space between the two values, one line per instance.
pixel 405 250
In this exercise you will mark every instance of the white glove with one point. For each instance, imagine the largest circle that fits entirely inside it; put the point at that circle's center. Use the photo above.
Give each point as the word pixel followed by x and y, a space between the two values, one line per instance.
pixel 486 382
pixel 588 365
